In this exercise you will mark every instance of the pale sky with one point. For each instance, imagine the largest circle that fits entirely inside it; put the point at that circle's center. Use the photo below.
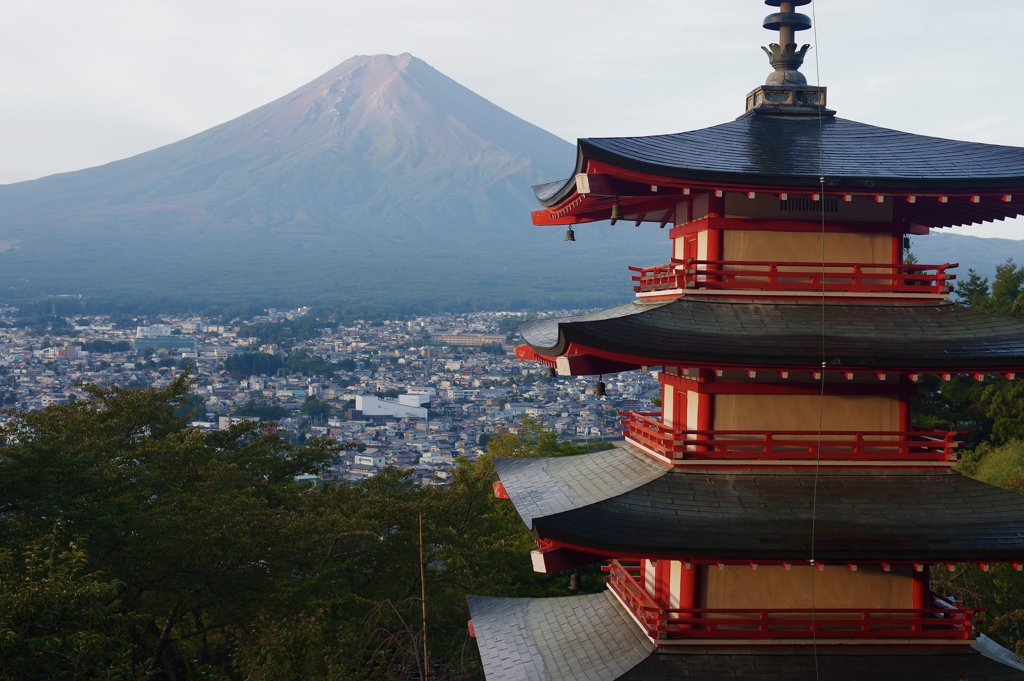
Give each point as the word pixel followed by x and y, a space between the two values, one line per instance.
pixel 87 82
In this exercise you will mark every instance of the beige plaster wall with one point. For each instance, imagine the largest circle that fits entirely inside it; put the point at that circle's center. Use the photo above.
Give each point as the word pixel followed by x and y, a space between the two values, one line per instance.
pixel 772 586
pixel 800 412
pixel 806 247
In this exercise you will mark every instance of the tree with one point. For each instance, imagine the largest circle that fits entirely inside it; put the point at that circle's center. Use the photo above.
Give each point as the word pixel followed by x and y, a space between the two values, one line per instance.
pixel 316 409
pixel 206 559
pixel 265 412
pixel 972 291
pixel 55 619
pixel 195 528
pixel 253 364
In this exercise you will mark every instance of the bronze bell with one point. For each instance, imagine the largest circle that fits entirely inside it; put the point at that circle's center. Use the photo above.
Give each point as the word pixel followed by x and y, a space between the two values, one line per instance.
pixel 570 235
pixel 616 211
pixel 599 388
pixel 551 372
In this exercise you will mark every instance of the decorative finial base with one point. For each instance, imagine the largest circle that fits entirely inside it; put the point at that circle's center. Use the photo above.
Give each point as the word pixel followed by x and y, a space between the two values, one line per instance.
pixel 789 99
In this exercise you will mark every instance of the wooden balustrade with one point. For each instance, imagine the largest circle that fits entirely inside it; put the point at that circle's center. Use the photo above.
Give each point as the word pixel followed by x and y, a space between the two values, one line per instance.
pixel 944 621
pixel 677 444
pixel 830 277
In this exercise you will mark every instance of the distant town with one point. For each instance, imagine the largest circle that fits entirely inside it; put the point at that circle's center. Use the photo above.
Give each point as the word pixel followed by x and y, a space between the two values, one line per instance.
pixel 415 393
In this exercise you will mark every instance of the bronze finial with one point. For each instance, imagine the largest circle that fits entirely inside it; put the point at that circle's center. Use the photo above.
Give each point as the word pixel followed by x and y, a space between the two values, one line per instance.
pixel 785 57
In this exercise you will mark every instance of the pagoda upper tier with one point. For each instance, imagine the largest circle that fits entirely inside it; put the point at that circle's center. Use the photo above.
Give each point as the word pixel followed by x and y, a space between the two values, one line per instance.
pixel 932 182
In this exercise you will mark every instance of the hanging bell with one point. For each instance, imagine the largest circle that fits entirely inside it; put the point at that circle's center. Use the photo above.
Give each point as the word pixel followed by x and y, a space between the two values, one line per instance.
pixel 616 212
pixel 551 372
pixel 599 388
pixel 570 235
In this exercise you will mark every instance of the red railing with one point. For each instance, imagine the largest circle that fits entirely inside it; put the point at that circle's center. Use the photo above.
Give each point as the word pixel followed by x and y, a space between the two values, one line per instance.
pixel 948 622
pixel 677 444
pixel 794 276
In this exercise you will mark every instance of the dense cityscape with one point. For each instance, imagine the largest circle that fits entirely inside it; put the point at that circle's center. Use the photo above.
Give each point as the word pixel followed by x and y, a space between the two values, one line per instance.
pixel 415 393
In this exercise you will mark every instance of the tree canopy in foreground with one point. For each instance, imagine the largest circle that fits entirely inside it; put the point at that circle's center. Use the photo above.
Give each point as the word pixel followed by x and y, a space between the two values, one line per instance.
pixel 133 547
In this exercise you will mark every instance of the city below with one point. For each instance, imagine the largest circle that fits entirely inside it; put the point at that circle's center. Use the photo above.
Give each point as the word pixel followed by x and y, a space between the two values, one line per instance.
pixel 415 394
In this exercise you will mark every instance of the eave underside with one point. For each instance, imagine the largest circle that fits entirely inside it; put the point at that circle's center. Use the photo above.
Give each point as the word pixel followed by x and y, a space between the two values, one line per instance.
pixel 854 515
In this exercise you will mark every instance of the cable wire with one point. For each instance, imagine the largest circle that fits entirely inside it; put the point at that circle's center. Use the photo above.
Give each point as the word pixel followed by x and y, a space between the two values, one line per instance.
pixel 824 360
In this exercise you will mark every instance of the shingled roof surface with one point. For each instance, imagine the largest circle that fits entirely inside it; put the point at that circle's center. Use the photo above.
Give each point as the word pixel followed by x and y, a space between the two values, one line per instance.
pixel 590 638
pixel 795 151
pixel 947 664
pixel 767 514
pixel 908 336
pixel 574 638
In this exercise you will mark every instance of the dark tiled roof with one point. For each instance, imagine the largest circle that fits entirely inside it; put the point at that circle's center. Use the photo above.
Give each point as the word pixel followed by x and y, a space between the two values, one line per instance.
pixel 938 336
pixel 857 664
pixel 791 151
pixel 543 487
pixel 578 638
pixel 858 514
pixel 590 638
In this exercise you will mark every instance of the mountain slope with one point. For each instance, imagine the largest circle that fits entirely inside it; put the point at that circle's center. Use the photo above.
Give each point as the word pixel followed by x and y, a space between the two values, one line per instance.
pixel 382 178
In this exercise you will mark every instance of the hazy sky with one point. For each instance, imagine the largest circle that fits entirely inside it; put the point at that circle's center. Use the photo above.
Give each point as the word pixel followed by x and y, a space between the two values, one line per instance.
pixel 85 83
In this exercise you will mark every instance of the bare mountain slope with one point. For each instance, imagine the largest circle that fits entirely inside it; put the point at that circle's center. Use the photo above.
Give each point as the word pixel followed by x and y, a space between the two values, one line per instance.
pixel 382 178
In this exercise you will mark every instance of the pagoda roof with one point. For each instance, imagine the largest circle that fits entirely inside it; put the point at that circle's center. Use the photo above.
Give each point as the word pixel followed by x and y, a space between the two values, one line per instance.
pixel 790 152
pixel 857 514
pixel 590 637
pixel 696 331
pixel 573 637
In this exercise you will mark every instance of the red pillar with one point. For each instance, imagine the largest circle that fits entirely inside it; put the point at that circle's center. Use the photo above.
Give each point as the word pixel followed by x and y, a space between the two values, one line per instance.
pixel 922 594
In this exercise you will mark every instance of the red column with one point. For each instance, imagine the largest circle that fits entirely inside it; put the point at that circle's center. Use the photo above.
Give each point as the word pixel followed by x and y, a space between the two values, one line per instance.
pixel 689 591
pixel 705 416
pixel 922 594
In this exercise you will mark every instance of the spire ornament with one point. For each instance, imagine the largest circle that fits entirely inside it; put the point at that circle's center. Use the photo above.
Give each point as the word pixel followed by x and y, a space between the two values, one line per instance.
pixel 785 57
pixel 786 92
pixel 786 60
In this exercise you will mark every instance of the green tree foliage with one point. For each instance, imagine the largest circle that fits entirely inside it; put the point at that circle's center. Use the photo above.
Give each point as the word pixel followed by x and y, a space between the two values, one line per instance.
pixel 305 362
pixel 265 412
pixel 56 621
pixel 315 408
pixel 972 291
pixel 285 333
pixel 1003 297
pixel 133 547
pixel 106 346
pixel 193 527
pixel 496 349
pixel 253 364
pixel 533 440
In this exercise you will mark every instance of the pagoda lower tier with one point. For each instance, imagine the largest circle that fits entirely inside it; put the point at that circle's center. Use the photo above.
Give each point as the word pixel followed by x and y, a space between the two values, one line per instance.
pixel 592 638
pixel 731 564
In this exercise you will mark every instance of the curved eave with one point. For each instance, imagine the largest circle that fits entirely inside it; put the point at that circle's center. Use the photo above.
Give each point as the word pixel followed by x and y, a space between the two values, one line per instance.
pixel 915 337
pixel 776 154
pixel 600 505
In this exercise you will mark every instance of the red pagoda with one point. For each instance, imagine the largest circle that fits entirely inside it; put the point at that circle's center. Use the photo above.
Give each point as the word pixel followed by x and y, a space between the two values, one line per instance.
pixel 780 517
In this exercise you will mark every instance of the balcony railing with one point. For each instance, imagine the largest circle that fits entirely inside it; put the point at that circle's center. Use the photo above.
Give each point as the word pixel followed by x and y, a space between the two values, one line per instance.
pixel 679 444
pixel 831 277
pixel 941 622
